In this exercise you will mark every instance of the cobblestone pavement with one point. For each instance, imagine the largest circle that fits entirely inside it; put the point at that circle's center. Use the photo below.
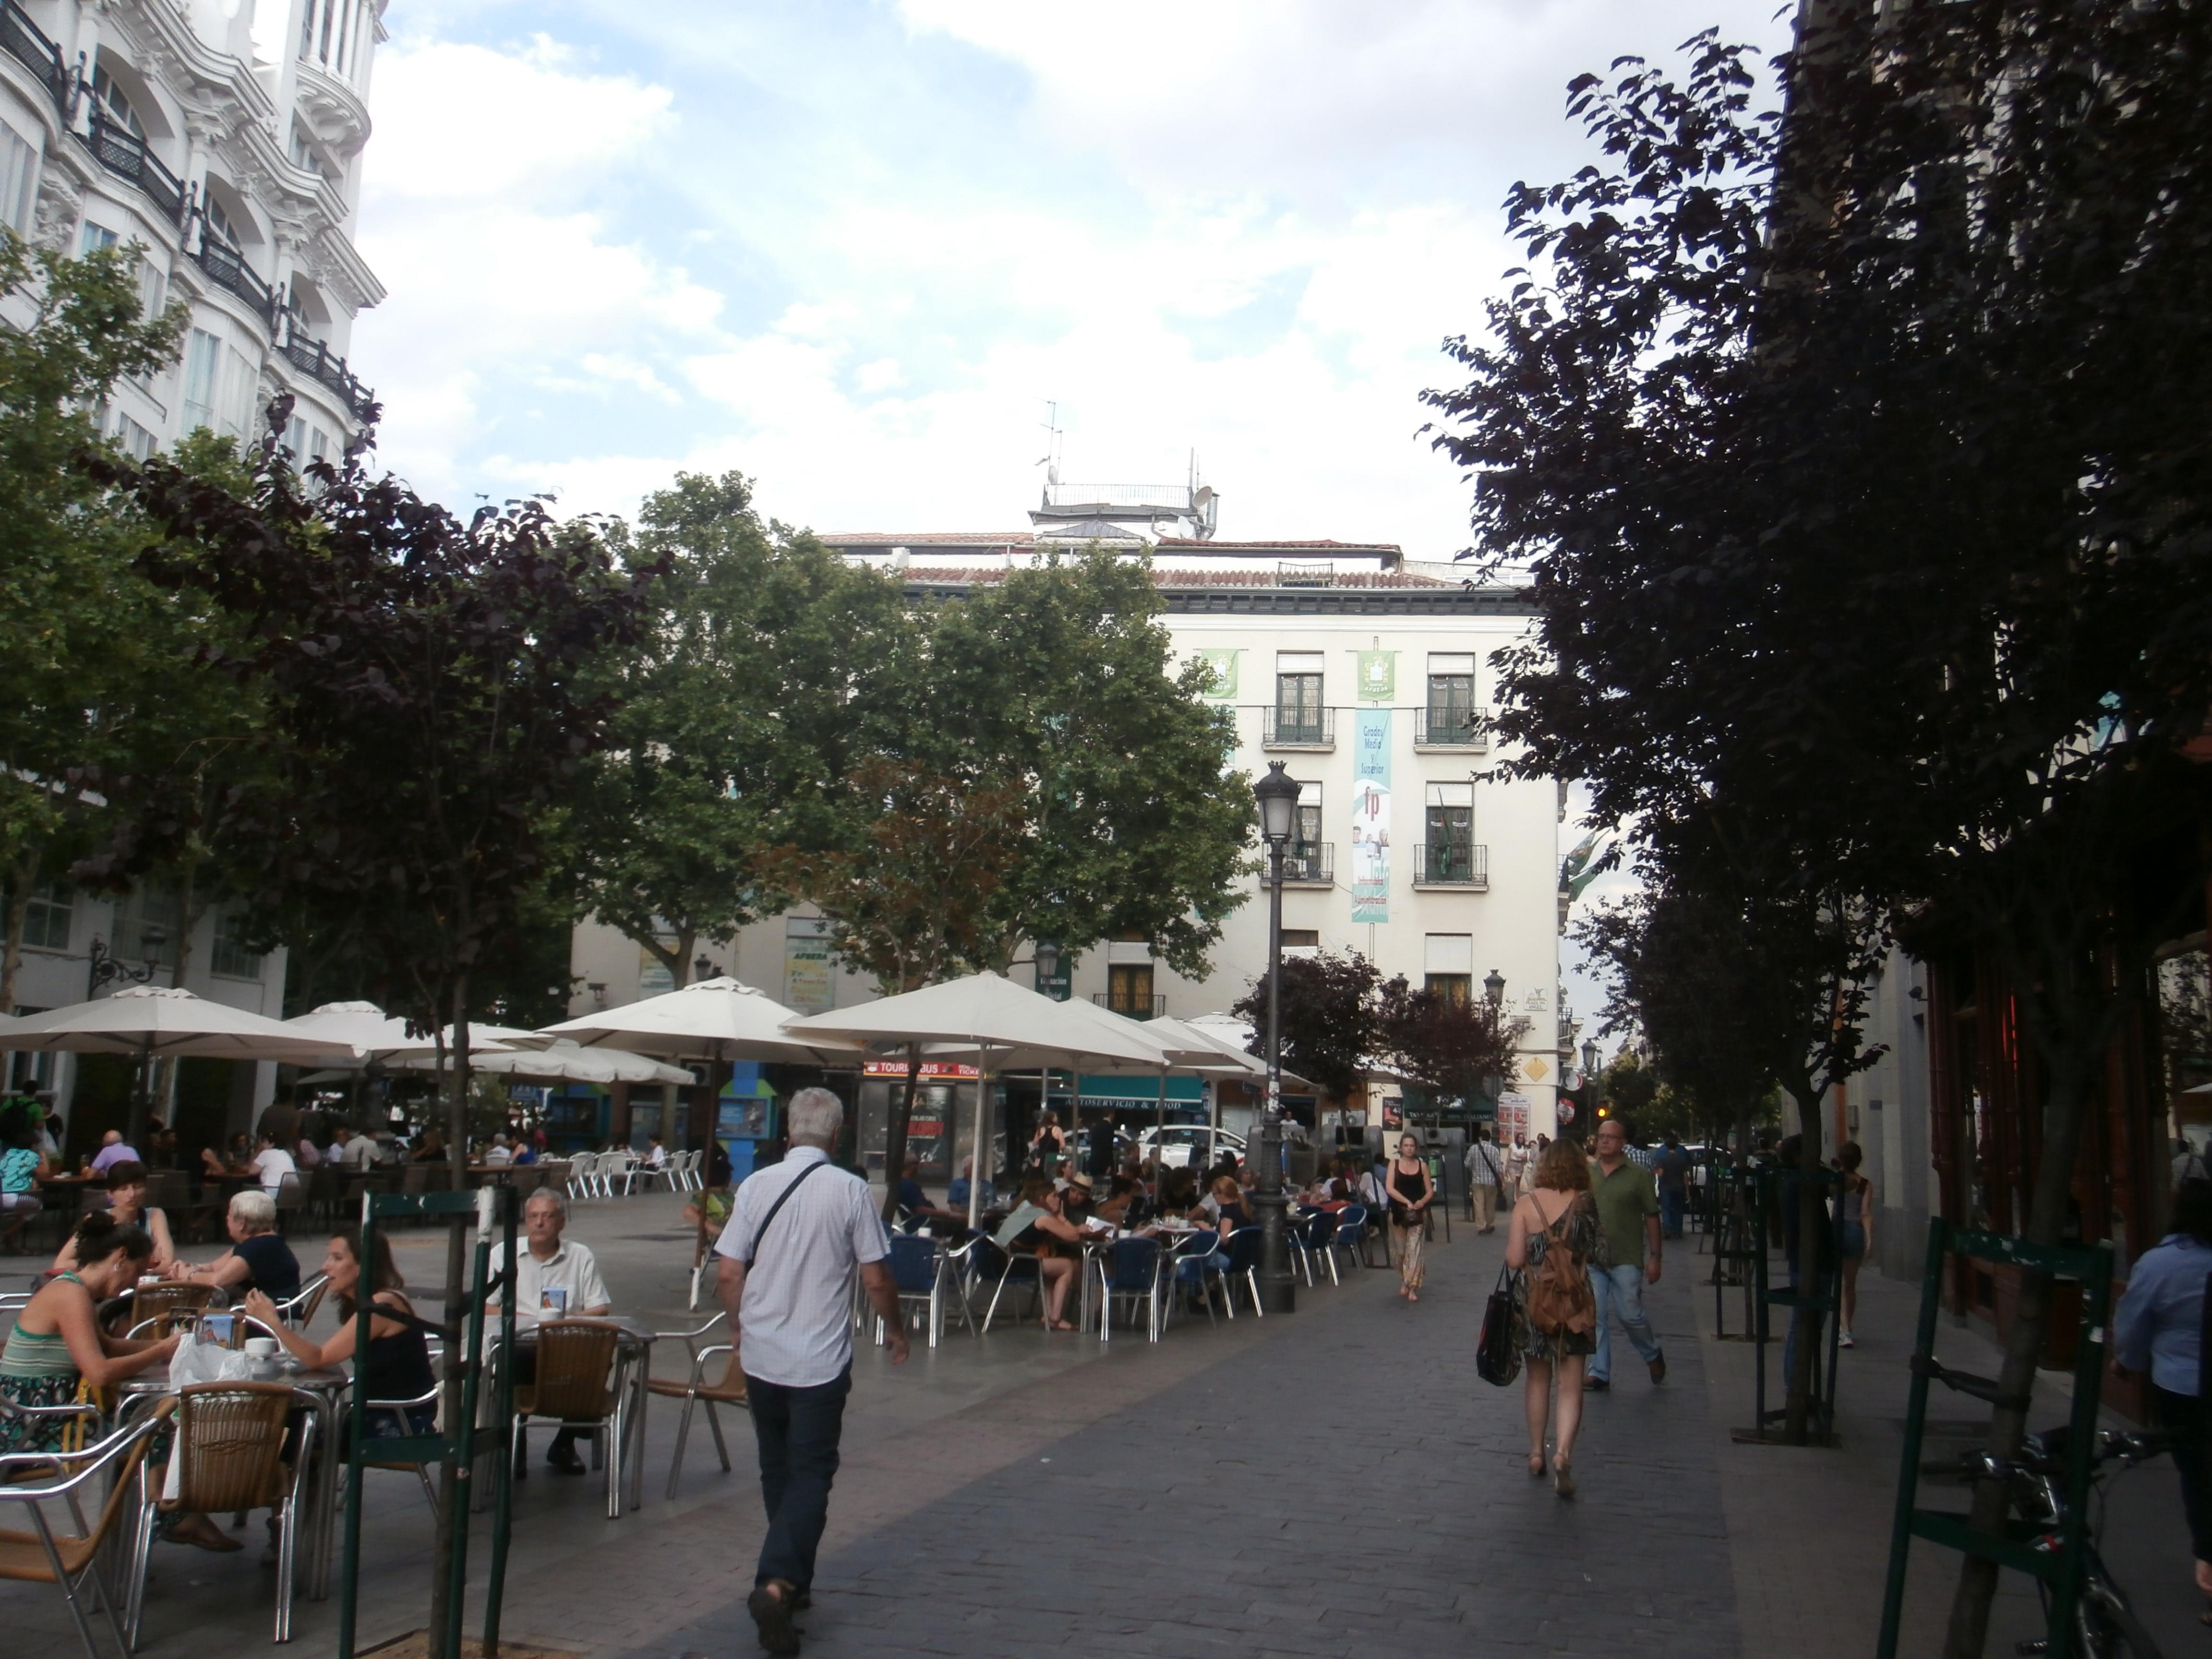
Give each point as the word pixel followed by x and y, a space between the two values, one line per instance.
pixel 1338 1482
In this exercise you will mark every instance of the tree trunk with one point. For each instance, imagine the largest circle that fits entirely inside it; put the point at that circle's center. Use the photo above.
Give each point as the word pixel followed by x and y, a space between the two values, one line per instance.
pixel 1812 1228
pixel 2069 1091
pixel 902 1114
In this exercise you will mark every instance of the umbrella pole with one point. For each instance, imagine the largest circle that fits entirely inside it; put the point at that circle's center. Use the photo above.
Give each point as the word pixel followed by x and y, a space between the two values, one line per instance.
pixel 982 1116
pixel 1164 1104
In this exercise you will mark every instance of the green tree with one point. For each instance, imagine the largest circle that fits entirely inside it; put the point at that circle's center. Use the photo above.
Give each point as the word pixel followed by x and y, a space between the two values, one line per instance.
pixel 83 641
pixel 1446 1045
pixel 1330 1018
pixel 758 689
pixel 1059 681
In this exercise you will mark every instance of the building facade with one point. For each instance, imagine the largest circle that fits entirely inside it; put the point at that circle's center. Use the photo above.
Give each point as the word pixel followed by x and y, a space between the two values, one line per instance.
pixel 1370 676
pixel 224 138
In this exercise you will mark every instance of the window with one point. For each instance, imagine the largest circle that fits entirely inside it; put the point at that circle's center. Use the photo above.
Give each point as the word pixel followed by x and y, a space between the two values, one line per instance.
pixel 114 103
pixel 1305 831
pixel 1129 989
pixel 96 236
pixel 229 959
pixel 19 180
pixel 1456 988
pixel 218 220
pixel 1449 837
pixel 153 288
pixel 1298 696
pixel 136 440
pixel 1451 699
pixel 236 406
pixel 147 925
pixel 46 921
pixel 202 356
pixel 1302 938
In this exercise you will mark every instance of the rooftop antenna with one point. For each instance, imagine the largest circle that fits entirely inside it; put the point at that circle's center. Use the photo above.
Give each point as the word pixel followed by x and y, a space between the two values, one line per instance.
pixel 1050 460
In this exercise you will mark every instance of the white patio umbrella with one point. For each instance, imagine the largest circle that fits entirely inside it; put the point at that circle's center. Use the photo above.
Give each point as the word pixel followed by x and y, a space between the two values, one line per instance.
pixel 160 1021
pixel 717 1019
pixel 1005 1024
pixel 374 1035
pixel 561 1061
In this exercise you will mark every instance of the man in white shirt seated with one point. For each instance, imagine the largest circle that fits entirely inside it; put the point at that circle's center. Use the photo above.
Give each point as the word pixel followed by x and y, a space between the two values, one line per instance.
pixel 272 1164
pixel 351 1151
pixel 553 1279
pixel 499 1153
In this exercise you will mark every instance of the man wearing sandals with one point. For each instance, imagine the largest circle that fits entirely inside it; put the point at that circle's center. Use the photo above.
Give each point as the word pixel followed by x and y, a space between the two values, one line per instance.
pixel 799 1230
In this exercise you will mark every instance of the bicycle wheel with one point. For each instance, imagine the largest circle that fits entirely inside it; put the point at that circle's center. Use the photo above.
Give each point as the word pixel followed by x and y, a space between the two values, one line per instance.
pixel 2105 1626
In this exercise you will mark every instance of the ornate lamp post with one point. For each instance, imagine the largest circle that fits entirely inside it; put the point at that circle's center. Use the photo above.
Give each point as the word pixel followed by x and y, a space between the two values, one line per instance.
pixel 1277 796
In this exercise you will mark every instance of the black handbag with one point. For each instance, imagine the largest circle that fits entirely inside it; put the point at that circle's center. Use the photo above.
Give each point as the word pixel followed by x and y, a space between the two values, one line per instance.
pixel 1497 1356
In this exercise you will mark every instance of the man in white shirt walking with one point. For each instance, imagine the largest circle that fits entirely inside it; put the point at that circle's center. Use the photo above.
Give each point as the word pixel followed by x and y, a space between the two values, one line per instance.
pixel 798 1231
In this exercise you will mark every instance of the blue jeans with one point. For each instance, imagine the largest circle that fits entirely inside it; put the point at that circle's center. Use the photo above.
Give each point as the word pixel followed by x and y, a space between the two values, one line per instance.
pixel 798 1430
pixel 1670 1212
pixel 1620 1291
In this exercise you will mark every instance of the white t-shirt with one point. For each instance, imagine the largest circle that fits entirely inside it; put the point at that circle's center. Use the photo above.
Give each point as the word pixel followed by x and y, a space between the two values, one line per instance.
pixel 796 1313
pixel 273 1166
pixel 359 1153
pixel 572 1268
pixel 497 1155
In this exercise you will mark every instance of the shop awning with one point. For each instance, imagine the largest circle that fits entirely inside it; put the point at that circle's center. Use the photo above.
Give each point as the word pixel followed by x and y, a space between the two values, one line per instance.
pixel 1109 1091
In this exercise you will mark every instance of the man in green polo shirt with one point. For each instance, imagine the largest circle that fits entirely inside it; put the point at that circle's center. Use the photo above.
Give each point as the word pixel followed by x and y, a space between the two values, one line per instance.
pixel 1628 1209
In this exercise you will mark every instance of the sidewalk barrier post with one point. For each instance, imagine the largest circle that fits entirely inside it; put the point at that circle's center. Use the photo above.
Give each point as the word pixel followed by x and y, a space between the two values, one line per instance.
pixel 2024 1546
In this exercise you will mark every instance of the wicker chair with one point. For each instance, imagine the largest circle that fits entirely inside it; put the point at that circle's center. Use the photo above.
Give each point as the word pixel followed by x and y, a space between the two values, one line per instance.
pixel 229 1457
pixel 574 1386
pixel 152 1311
pixel 40 1555
pixel 693 1389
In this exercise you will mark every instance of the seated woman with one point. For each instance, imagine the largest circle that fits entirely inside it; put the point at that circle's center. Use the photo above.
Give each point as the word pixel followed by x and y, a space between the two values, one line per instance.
pixel 1178 1191
pixel 1038 1226
pixel 22 1166
pixel 1124 1202
pixel 397 1365
pixel 257 1260
pixel 429 1149
pixel 237 1160
pixel 1223 1208
pixel 126 1207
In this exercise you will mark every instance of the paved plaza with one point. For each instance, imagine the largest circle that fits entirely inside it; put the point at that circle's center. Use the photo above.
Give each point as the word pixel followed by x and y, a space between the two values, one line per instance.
pixel 1335 1483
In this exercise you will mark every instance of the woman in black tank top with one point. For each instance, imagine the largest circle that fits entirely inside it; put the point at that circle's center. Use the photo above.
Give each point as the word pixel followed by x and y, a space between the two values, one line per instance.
pixel 398 1363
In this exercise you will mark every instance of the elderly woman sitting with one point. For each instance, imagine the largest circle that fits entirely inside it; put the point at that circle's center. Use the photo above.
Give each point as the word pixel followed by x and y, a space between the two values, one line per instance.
pixel 257 1260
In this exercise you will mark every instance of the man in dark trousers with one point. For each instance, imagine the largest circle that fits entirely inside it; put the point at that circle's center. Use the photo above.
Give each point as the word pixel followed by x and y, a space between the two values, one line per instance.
pixel 798 1230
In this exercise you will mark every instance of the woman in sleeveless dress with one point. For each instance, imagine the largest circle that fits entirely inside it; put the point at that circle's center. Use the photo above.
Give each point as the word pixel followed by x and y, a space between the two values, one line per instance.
pixel 398 1363
pixel 1854 1230
pixel 1410 1193
pixel 1555 1214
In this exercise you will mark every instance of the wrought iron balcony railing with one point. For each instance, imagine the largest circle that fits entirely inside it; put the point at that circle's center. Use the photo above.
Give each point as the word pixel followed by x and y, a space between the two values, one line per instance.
pixel 1454 725
pixel 1297 728
pixel 1451 864
pixel 26 42
pixel 1310 864
pixel 1136 1007
pixel 124 154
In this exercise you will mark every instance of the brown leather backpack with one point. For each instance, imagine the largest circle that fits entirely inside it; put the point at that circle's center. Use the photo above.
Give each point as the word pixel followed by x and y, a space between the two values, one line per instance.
pixel 1560 1302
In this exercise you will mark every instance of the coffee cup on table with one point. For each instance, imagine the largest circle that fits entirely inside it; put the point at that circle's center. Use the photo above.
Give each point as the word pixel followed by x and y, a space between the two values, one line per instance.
pixel 261 1347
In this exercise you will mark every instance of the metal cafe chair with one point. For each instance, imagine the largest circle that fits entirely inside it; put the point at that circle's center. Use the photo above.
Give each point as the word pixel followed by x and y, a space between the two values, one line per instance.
pixel 229 1455
pixel 694 1390
pixel 924 1276
pixel 1133 1271
pixel 575 1387
pixel 71 1561
pixel 1193 1269
pixel 1243 1247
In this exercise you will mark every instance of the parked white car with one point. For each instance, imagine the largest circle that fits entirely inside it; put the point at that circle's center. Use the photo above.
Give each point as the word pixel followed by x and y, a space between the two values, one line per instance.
pixel 1196 1145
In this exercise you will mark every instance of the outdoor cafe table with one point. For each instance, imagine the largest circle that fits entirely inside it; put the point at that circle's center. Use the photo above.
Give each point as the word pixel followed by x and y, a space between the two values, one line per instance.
pixel 321 1392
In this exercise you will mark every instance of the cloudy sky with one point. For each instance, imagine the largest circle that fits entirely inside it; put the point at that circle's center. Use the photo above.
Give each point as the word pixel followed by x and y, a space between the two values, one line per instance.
pixel 856 248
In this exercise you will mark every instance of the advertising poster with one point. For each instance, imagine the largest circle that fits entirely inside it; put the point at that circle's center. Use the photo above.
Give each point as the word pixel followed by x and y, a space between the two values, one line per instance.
pixel 807 982
pixel 1370 818
pixel 1378 675
pixel 1221 670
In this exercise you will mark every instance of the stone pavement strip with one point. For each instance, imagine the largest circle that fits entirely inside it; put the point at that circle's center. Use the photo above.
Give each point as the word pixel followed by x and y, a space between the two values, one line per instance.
pixel 1335 1483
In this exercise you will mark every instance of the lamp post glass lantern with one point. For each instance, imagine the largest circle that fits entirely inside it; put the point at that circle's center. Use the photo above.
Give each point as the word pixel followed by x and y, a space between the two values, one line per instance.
pixel 1277 796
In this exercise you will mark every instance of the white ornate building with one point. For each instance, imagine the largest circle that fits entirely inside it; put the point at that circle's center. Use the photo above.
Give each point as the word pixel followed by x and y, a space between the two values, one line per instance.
pixel 224 137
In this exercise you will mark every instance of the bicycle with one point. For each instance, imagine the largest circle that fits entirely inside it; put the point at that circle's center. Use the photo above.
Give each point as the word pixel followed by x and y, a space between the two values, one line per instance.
pixel 2105 1623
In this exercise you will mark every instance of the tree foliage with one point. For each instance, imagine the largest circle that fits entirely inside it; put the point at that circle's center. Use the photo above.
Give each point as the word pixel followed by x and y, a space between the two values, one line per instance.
pixel 1329 1005
pixel 1447 1045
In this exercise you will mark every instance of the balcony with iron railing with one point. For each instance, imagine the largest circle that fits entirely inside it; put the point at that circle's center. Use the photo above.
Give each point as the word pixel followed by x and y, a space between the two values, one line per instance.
pixel 1135 1004
pixel 1454 725
pixel 1298 727
pixel 124 154
pixel 227 269
pixel 26 42
pixel 1310 864
pixel 314 358
pixel 1452 864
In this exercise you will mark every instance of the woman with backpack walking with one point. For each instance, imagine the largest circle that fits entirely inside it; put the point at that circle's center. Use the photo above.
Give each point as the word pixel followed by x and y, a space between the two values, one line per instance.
pixel 1554 1237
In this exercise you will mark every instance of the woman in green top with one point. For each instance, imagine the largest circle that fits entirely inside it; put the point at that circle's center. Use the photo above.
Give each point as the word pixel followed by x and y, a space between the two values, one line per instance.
pixel 58 1343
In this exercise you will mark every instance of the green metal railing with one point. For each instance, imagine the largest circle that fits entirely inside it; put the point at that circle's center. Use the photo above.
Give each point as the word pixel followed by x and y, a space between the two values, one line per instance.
pixel 2023 1545
pixel 455 1448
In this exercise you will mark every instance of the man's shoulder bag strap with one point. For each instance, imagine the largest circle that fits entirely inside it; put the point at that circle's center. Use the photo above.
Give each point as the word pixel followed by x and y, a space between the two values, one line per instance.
pixel 782 1199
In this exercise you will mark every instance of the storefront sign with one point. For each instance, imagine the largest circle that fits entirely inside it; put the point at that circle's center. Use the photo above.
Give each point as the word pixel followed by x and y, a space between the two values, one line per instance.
pixel 1371 816
pixel 930 1068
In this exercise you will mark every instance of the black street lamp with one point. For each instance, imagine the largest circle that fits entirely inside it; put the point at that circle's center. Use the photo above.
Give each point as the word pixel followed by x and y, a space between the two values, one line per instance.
pixel 1278 794
pixel 108 969
pixel 1045 955
pixel 1590 1059
pixel 1493 989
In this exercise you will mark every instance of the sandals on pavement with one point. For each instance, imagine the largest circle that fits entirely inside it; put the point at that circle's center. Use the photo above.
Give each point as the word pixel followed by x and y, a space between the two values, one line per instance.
pixel 1563 1477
